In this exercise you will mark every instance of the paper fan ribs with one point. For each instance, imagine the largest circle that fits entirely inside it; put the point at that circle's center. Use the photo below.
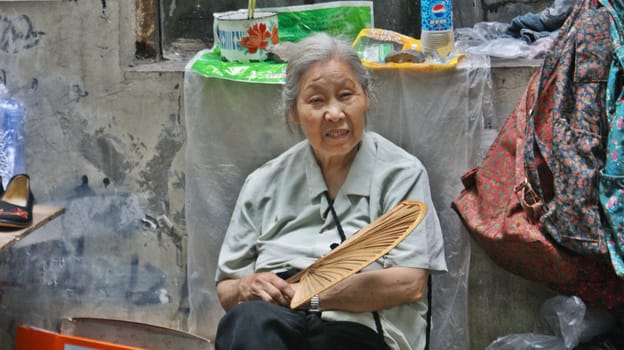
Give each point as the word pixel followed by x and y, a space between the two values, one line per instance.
pixel 358 251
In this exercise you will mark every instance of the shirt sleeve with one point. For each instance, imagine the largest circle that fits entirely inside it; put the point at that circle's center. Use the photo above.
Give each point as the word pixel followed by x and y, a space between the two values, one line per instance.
pixel 424 247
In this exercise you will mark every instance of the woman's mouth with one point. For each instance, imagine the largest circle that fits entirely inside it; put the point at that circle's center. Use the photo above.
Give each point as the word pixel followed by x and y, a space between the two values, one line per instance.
pixel 337 133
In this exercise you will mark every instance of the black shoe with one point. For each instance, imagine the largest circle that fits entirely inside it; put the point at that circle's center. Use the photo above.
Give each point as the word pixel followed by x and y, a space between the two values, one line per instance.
pixel 16 203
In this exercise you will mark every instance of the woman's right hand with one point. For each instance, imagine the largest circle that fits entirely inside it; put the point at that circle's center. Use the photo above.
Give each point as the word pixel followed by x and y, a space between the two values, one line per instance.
pixel 265 286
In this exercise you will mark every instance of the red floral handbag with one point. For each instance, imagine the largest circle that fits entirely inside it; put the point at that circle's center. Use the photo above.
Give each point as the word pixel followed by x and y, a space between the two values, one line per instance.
pixel 501 212
pixel 504 211
pixel 492 206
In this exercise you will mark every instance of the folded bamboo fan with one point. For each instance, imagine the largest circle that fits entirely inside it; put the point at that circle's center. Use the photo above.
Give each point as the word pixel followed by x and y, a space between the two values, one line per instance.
pixel 358 251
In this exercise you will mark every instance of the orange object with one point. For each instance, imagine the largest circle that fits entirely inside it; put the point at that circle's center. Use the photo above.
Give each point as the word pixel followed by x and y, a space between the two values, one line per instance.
pixel 30 338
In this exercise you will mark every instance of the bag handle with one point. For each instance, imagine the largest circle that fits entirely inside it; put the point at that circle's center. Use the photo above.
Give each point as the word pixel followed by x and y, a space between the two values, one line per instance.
pixel 529 200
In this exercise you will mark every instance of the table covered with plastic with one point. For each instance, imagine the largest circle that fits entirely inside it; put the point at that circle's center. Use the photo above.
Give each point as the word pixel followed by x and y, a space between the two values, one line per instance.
pixel 233 127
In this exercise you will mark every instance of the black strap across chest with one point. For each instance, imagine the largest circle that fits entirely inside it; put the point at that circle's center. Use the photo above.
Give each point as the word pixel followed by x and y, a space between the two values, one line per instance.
pixel 330 202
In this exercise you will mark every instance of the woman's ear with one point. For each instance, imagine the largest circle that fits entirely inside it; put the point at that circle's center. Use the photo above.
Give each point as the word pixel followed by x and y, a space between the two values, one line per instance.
pixel 292 114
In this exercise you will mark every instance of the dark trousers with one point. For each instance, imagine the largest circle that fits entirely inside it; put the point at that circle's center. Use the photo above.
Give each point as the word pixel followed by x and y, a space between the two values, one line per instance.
pixel 258 325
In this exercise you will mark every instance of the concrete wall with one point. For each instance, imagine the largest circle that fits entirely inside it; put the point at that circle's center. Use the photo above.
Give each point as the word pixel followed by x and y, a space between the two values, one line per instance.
pixel 105 138
pixel 107 143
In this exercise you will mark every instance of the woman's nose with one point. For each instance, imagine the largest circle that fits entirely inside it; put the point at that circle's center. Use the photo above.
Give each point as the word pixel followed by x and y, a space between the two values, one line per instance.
pixel 334 112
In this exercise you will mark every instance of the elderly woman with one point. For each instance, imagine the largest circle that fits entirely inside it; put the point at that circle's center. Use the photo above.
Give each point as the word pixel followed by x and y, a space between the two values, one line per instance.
pixel 296 207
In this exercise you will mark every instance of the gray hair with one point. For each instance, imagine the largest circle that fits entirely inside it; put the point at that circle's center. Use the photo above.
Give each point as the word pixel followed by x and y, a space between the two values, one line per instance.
pixel 315 48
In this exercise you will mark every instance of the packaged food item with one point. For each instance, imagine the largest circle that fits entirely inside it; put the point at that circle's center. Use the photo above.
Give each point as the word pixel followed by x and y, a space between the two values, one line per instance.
pixel 386 49
pixel 374 44
pixel 403 56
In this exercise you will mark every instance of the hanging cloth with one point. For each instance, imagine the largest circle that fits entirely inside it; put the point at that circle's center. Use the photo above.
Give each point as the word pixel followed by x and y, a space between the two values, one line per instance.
pixel 566 131
pixel 611 186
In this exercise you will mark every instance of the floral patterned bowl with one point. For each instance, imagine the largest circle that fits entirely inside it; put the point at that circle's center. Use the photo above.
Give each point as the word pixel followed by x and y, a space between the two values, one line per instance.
pixel 243 39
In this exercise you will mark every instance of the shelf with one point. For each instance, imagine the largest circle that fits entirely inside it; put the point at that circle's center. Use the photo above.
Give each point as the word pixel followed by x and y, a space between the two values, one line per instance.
pixel 42 214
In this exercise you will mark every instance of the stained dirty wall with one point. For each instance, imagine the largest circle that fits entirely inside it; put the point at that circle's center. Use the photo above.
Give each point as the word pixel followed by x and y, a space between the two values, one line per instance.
pixel 107 144
pixel 105 139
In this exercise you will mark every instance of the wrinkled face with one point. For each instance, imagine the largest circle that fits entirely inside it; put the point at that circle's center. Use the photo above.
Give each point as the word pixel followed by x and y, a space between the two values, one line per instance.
pixel 331 109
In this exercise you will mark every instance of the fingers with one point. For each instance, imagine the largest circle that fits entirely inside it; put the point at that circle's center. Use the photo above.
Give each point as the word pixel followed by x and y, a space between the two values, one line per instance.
pixel 265 286
pixel 278 290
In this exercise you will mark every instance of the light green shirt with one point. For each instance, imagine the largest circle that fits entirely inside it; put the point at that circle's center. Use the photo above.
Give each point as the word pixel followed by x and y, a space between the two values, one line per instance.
pixel 282 220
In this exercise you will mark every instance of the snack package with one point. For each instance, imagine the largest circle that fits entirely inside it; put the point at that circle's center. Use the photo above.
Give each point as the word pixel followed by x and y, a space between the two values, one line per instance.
pixel 374 45
pixel 386 49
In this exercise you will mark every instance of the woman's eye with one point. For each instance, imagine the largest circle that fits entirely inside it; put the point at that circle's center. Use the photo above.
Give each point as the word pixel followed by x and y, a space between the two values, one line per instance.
pixel 346 94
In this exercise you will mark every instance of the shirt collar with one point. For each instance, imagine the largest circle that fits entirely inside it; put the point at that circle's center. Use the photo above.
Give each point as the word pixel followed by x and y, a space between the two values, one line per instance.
pixel 359 178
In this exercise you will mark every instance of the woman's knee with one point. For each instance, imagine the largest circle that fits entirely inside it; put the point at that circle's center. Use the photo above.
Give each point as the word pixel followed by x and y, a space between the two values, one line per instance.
pixel 260 325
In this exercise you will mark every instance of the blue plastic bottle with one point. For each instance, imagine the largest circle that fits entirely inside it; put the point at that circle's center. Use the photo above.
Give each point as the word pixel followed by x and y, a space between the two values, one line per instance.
pixel 11 137
pixel 436 36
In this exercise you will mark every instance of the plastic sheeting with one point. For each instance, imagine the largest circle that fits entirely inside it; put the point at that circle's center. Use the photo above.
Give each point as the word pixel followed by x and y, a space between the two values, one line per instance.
pixel 563 323
pixel 488 38
pixel 527 36
pixel 233 127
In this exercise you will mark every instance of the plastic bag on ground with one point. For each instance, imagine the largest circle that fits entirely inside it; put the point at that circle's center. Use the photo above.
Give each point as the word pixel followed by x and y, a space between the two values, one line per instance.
pixel 527 341
pixel 564 323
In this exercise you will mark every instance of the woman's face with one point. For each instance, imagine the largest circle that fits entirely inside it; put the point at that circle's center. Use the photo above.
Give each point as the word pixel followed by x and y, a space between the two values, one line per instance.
pixel 331 109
